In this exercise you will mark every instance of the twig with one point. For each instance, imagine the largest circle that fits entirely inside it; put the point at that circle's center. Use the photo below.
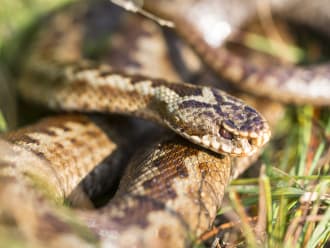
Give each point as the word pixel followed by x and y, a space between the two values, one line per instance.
pixel 215 230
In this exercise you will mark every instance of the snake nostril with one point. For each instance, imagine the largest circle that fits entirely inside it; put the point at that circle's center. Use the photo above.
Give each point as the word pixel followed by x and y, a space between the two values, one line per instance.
pixel 250 141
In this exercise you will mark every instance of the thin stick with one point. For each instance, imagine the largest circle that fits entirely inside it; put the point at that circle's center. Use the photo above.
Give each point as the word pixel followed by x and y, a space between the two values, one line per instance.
pixel 133 6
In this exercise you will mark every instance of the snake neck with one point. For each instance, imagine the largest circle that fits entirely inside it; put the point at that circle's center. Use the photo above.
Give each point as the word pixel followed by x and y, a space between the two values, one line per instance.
pixel 90 87
pixel 195 112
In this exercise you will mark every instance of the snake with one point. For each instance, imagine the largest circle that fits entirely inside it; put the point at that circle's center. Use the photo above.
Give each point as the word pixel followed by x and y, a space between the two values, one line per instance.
pixel 205 116
pixel 150 206
pixel 207 32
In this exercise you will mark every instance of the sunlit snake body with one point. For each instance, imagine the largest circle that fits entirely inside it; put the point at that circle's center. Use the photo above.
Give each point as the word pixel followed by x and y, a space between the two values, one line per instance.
pixel 169 194
pixel 291 84
pixel 205 116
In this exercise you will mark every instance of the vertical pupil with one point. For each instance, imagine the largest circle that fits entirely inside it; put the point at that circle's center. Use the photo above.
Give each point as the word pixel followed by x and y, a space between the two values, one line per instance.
pixel 225 134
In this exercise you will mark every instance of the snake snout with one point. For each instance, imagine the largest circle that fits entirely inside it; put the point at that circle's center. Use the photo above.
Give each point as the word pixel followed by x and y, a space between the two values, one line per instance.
pixel 245 137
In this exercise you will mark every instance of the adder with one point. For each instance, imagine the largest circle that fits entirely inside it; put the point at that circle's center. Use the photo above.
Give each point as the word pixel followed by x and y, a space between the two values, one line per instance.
pixel 150 207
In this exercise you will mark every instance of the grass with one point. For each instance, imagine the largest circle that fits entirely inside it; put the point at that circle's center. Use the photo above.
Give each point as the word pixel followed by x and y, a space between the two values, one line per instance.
pixel 287 204
pixel 3 125
pixel 16 15
pixel 290 197
pixel 295 187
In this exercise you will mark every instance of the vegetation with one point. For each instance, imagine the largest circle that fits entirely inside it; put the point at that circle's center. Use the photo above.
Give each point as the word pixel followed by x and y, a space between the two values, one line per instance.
pixel 286 204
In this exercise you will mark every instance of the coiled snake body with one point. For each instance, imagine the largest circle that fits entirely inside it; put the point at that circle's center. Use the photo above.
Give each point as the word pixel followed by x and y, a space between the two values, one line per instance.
pixel 169 194
pixel 292 84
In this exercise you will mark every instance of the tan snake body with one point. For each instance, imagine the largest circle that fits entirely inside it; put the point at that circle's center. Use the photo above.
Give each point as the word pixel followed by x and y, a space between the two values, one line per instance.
pixel 37 158
pixel 205 116
pixel 66 160
pixel 291 84
pixel 150 208
pixel 148 191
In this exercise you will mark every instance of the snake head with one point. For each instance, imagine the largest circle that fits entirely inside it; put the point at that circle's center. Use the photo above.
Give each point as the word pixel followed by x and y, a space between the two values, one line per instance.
pixel 217 121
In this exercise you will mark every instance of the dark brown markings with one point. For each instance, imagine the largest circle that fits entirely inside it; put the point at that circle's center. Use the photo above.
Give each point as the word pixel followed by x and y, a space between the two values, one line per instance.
pixel 194 104
pixel 253 123
pixel 150 183
pixel 182 171
pixel 257 119
pixel 235 107
pixel 248 70
pixel 79 84
pixel 161 184
pixel 45 130
pixel 217 96
pixel 39 154
pixel 184 90
pixel 238 117
pixel 64 127
pixel 86 105
pixel 180 89
pixel 105 73
pixel 164 233
pixel 219 111
pixel 74 141
pixel 229 101
pixel 250 110
pixel 231 104
pixel 59 121
pixel 230 123
pixel 50 226
pixel 203 167
pixel 209 114
pixel 245 127
pixel 84 67
pixel 92 133
pixel 28 140
pixel 109 90
pixel 137 78
pixel 136 214
pixel 59 145
pixel 134 78
pixel 43 127
pixel 4 164
pixel 17 136
pixel 168 192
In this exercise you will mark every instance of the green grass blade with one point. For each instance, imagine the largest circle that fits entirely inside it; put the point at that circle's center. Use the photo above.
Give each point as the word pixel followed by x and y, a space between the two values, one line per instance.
pixel 3 124
pixel 321 232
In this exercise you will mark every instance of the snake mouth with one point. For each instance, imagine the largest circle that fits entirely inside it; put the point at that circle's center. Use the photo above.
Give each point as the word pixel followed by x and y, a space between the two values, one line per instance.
pixel 231 144
pixel 241 143
pixel 237 147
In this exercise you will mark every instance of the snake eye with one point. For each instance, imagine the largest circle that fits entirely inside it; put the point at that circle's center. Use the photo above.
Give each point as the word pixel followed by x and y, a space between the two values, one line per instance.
pixel 225 134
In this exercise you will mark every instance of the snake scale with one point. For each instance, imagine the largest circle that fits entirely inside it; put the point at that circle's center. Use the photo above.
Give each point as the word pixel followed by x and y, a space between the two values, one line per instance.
pixel 150 206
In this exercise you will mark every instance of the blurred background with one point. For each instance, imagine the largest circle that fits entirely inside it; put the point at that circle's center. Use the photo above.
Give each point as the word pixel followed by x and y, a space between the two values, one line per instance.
pixel 17 18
